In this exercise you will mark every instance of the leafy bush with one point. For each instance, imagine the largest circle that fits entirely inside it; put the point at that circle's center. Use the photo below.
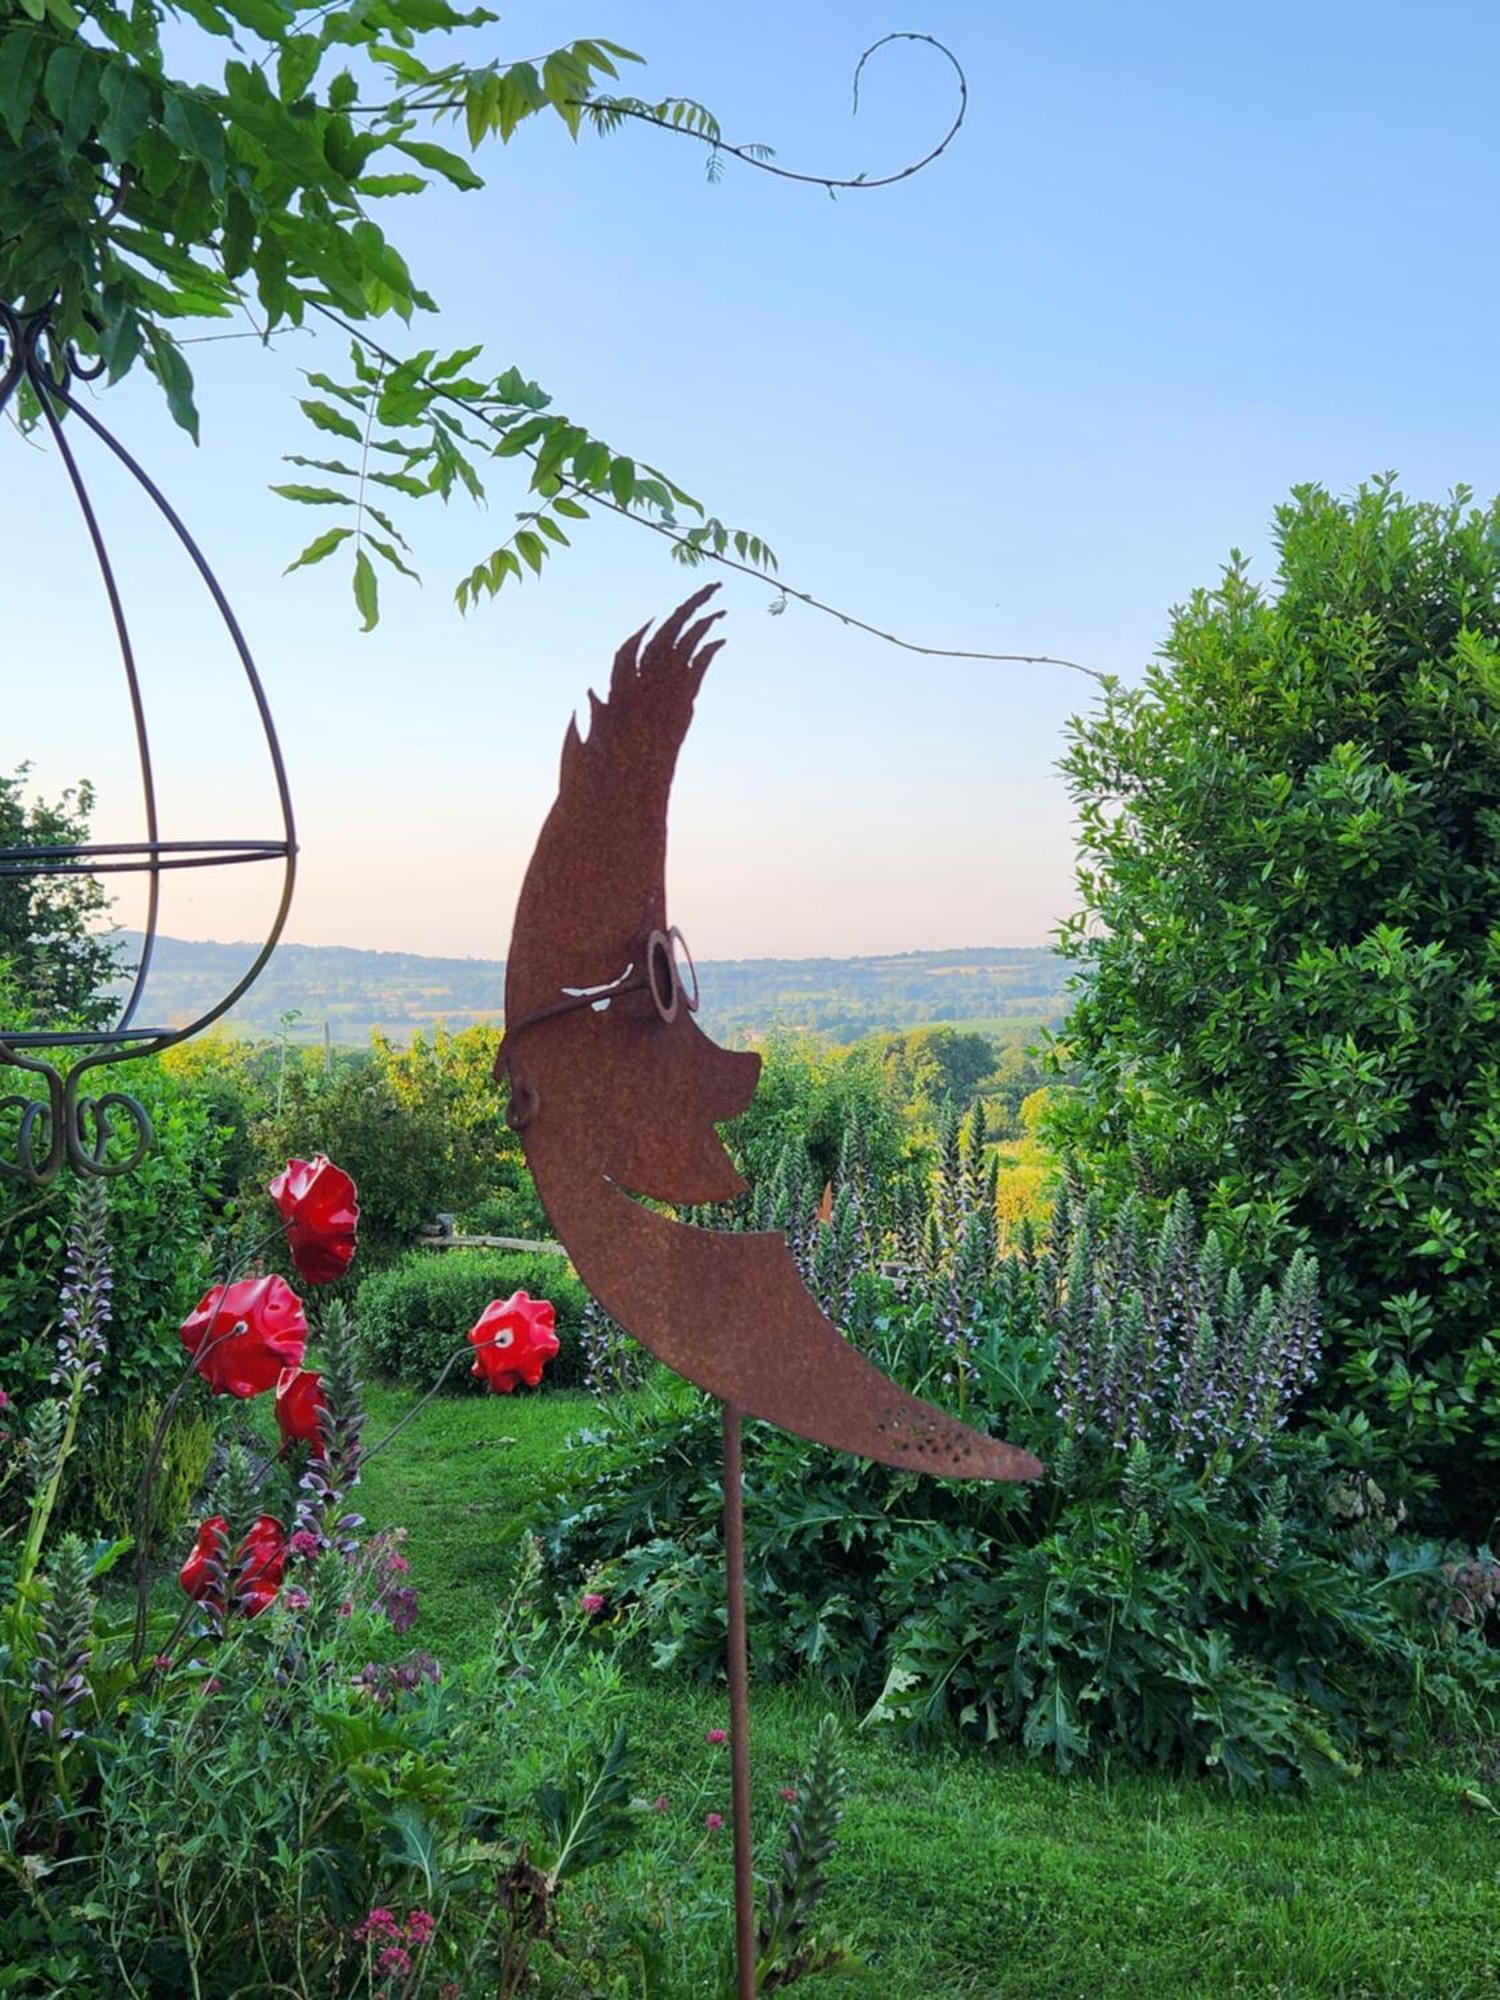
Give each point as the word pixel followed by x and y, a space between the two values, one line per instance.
pixel 254 1788
pixel 160 1222
pixel 1289 943
pixel 1192 1585
pixel 413 1315
pixel 420 1129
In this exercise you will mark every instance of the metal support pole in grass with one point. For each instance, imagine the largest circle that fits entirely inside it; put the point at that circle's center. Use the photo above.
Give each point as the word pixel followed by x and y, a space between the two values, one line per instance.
pixel 54 1122
pixel 617 1092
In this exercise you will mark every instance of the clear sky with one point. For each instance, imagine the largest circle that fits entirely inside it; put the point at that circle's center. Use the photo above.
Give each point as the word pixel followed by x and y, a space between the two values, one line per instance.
pixel 1181 257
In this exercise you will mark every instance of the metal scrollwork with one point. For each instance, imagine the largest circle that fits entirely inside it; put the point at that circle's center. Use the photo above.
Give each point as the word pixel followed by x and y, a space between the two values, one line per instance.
pixel 109 1134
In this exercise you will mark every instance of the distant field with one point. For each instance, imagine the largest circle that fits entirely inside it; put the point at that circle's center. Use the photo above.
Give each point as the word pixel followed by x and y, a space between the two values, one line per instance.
pixel 1003 991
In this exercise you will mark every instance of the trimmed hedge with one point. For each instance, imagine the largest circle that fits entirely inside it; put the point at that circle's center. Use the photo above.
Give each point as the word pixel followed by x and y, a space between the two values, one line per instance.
pixel 412 1315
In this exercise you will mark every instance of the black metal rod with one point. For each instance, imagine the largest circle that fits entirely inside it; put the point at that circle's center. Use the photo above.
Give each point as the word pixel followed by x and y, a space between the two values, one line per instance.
pixel 69 850
pixel 263 708
pixel 739 1708
pixel 44 395
pixel 273 851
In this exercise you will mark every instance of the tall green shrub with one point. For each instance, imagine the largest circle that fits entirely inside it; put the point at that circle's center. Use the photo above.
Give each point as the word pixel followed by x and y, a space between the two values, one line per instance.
pixel 1289 944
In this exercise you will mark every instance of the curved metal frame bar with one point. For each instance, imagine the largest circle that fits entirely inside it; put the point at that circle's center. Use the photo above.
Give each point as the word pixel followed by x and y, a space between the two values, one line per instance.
pixel 31 355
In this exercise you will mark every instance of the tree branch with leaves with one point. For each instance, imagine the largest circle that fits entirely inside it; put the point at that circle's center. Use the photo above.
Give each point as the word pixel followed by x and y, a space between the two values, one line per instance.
pixel 137 204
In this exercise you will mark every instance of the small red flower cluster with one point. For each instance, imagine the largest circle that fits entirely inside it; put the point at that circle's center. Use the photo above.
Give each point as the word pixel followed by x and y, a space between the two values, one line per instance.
pixel 319 1205
pixel 249 1337
pixel 255 1576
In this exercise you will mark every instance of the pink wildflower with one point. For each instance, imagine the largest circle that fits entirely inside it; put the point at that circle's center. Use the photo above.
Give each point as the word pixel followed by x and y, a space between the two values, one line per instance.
pixel 395 1958
pixel 295 1600
pixel 592 1603
pixel 717 1736
pixel 789 1794
pixel 346 1609
pixel 379 1923
pixel 162 1662
pixel 661 1803
pixel 304 1543
pixel 713 1821
pixel 420 1926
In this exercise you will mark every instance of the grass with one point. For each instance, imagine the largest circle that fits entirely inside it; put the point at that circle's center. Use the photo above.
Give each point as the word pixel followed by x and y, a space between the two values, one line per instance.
pixel 985 1878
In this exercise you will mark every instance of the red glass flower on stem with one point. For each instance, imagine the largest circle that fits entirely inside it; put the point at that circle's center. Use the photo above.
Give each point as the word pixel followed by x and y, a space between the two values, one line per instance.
pixel 243 1335
pixel 255 1575
pixel 319 1205
pixel 300 1409
pixel 514 1341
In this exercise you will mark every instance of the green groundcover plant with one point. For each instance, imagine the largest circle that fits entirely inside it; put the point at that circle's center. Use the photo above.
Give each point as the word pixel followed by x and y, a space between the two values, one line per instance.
pixel 1289 936
pixel 1198 1583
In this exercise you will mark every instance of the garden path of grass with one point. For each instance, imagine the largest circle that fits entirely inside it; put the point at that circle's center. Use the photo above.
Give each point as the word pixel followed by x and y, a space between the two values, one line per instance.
pixel 984 1878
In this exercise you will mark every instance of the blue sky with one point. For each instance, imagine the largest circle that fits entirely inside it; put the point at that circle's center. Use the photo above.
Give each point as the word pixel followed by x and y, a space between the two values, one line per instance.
pixel 1181 257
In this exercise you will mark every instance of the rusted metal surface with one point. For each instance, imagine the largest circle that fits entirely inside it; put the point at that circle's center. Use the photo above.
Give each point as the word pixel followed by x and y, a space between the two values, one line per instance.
pixel 736 1659
pixel 616 1092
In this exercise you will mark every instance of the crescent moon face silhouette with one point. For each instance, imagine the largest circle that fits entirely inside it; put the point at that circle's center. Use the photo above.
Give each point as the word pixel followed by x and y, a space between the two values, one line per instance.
pixel 617 1092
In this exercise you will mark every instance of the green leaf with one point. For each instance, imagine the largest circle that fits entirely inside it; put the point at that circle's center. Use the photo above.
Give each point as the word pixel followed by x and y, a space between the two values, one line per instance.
pixel 72 92
pixel 444 371
pixel 176 378
pixel 188 121
pixel 587 1815
pixel 385 549
pixel 23 57
pixel 297 65
pixel 266 17
pixel 316 550
pixel 622 481
pixel 523 435
pixel 327 418
pixel 440 161
pixel 127 107
pixel 366 592
pixel 532 549
pixel 314 496
pixel 206 15
pixel 381 186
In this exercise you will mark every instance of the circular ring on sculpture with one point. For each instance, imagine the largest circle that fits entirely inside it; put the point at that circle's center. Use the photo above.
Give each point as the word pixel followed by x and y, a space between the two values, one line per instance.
pixel 681 957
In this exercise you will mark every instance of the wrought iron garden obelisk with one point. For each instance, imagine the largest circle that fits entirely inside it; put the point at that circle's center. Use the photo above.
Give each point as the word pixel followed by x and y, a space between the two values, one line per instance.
pixel 54 1122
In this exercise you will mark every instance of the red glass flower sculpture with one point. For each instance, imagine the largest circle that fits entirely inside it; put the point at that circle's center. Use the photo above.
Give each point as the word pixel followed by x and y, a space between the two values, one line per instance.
pixel 244 1335
pixel 514 1341
pixel 254 1577
pixel 319 1205
pixel 300 1409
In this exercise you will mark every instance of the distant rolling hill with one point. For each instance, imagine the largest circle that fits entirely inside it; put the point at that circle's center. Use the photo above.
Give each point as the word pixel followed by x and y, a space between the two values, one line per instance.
pixel 401 993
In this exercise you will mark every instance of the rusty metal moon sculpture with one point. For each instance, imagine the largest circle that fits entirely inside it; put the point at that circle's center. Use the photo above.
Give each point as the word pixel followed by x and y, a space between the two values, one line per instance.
pixel 616 1092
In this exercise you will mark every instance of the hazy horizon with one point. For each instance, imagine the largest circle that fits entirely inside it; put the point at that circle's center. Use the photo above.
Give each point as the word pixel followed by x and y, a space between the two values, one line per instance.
pixel 949 949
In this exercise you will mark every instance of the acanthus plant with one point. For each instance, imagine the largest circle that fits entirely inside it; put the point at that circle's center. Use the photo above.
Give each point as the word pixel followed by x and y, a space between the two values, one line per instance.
pixel 1158 1342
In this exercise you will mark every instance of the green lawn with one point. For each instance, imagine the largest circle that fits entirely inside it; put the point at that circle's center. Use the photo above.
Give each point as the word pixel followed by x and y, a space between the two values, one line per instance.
pixel 987 1878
